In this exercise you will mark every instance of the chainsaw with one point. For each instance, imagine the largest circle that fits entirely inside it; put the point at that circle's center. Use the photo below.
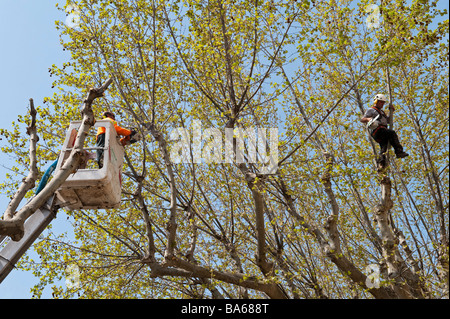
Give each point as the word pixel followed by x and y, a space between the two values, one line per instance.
pixel 373 123
pixel 135 136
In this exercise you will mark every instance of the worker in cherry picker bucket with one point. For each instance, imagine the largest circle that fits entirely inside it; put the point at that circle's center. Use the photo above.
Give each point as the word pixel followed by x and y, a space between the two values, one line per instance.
pixel 100 138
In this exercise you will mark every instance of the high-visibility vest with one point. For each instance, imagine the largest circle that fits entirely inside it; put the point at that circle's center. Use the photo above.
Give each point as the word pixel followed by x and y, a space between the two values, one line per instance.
pixel 119 130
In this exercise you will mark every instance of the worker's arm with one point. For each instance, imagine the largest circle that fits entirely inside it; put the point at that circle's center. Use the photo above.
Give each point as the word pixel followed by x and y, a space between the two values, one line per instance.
pixel 370 114
pixel 121 130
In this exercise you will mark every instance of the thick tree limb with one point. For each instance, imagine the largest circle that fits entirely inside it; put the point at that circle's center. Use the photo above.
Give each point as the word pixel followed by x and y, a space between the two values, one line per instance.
pixel 390 253
pixel 186 269
pixel 333 248
pixel 261 259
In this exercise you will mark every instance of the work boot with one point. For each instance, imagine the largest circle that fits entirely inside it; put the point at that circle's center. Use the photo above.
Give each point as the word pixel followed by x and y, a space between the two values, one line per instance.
pixel 398 148
pixel 401 154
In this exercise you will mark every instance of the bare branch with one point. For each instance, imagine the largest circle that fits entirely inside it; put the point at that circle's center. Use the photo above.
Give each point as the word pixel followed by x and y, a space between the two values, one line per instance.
pixel 28 182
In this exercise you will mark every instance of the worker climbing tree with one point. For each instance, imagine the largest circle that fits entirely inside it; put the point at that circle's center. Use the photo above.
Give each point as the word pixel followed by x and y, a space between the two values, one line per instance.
pixel 377 123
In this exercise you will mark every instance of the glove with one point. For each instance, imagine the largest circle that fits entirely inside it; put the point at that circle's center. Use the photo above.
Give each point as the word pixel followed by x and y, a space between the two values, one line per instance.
pixel 134 137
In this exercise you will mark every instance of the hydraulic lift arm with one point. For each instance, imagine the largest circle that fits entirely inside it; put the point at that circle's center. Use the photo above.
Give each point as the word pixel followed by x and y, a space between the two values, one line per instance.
pixel 12 251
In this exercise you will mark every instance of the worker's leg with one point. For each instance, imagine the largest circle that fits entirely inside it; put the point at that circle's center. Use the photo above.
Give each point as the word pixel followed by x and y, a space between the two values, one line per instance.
pixel 382 138
pixel 394 141
pixel 100 143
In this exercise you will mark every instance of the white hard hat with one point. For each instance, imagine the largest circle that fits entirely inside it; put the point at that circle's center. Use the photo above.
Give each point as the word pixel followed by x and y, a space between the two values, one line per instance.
pixel 379 97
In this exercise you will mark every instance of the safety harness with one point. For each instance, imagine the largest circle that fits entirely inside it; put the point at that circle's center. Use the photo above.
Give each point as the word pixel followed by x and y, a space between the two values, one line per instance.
pixel 381 112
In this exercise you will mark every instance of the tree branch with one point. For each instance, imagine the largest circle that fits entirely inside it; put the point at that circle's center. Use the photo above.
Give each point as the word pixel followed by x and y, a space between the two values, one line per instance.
pixel 28 182
pixel 261 260
pixel 333 248
pixel 187 269
pixel 172 223
pixel 382 216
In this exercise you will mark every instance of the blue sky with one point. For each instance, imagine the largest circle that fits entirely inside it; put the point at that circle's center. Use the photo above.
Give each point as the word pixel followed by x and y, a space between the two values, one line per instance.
pixel 29 46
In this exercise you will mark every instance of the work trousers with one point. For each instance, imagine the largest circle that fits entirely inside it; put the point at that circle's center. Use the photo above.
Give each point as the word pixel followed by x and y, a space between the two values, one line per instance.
pixel 384 137
pixel 100 143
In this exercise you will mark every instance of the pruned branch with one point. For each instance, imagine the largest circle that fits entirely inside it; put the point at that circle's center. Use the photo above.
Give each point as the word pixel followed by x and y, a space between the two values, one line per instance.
pixel 27 184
